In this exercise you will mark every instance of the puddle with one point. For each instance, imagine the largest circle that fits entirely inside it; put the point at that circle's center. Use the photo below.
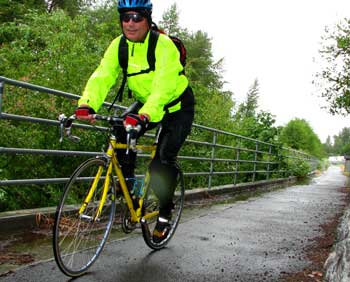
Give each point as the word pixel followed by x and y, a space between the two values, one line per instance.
pixel 22 248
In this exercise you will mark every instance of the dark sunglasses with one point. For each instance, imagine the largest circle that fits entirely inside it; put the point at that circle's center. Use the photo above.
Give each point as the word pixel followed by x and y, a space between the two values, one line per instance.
pixel 136 18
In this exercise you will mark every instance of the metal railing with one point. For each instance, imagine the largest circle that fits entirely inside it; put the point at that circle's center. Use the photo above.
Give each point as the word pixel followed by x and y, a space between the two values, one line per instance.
pixel 235 156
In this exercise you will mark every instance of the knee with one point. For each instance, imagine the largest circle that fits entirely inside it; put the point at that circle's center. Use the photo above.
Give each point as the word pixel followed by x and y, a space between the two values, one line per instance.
pixel 160 165
pixel 167 160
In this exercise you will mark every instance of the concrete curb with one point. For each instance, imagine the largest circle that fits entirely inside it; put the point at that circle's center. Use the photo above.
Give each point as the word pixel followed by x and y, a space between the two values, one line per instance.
pixel 197 194
pixel 24 220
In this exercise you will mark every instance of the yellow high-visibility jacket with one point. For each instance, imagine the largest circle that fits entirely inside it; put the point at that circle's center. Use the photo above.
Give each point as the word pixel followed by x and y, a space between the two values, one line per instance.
pixel 155 89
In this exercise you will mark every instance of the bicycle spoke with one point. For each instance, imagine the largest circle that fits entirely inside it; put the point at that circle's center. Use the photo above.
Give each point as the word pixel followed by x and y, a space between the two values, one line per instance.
pixel 79 238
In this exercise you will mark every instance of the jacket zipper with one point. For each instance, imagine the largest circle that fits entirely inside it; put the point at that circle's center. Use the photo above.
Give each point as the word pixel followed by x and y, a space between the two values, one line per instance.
pixel 132 50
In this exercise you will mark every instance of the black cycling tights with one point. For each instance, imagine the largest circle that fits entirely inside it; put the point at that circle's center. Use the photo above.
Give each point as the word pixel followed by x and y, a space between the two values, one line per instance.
pixel 163 168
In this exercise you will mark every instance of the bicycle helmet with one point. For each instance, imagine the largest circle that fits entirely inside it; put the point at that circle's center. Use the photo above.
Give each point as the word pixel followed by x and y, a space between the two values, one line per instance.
pixel 134 5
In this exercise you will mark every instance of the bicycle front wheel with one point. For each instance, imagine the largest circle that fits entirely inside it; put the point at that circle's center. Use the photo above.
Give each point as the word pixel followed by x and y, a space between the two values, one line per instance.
pixel 80 231
pixel 151 207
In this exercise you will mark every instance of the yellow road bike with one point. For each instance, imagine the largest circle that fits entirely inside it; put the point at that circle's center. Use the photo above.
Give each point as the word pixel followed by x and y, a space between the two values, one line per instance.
pixel 86 212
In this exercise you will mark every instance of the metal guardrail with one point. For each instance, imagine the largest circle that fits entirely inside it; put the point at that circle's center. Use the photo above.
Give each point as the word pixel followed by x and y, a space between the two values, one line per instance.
pixel 261 153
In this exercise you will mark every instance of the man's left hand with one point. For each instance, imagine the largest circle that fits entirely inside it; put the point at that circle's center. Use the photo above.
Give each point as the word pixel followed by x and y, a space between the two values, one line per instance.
pixel 134 121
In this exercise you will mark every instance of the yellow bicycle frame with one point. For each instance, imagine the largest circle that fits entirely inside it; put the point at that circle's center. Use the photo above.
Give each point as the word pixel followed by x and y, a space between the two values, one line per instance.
pixel 113 145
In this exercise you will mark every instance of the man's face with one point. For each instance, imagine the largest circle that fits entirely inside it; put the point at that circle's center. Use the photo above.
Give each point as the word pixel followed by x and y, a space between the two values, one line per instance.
pixel 135 26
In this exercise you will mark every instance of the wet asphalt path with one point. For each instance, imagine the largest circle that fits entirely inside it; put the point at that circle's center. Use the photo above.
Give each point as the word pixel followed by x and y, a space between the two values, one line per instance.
pixel 253 240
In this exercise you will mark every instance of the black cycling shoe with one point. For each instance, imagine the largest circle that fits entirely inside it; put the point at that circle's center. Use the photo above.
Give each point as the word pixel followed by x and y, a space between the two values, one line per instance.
pixel 161 230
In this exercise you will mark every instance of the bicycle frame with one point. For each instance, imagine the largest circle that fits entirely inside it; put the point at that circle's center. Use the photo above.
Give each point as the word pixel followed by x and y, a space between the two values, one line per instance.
pixel 114 164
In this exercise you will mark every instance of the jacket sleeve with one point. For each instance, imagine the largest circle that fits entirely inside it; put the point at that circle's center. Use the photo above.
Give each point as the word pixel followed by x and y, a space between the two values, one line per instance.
pixel 103 78
pixel 167 84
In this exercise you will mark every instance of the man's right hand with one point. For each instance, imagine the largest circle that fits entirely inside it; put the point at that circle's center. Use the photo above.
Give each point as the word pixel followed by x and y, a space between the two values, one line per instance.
pixel 85 112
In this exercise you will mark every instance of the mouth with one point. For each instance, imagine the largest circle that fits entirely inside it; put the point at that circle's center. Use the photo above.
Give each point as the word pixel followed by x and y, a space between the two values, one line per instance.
pixel 131 30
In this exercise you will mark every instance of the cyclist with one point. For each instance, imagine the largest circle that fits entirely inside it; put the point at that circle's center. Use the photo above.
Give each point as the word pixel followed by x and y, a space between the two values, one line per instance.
pixel 164 96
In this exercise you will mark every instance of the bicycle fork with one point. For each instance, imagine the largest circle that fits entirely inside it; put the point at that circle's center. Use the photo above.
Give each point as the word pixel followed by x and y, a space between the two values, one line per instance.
pixel 91 192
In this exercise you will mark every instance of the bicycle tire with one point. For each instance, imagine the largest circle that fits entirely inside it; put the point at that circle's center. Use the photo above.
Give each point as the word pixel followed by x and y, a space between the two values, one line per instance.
pixel 78 239
pixel 151 204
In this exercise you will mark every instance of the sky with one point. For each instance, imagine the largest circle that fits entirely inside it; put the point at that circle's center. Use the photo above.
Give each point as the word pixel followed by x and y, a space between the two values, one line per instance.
pixel 274 41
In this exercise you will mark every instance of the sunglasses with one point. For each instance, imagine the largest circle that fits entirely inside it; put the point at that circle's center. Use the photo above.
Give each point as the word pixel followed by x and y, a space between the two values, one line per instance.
pixel 136 18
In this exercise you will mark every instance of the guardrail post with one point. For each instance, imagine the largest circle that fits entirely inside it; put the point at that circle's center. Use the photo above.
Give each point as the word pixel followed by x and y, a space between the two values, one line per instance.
pixel 281 157
pixel 212 160
pixel 268 164
pixel 1 94
pixel 255 159
pixel 238 155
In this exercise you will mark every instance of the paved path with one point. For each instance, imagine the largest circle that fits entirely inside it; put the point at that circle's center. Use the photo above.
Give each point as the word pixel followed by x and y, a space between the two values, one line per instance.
pixel 253 240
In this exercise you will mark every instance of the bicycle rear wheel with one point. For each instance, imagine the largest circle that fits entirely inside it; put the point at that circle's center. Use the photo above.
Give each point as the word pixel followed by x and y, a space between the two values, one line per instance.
pixel 151 205
pixel 79 237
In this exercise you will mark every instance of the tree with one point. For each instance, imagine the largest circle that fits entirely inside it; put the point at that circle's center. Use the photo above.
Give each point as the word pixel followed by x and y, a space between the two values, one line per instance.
pixel 56 51
pixel 299 135
pixel 328 146
pixel 341 144
pixel 72 7
pixel 250 106
pixel 170 21
pixel 251 122
pixel 13 9
pixel 334 79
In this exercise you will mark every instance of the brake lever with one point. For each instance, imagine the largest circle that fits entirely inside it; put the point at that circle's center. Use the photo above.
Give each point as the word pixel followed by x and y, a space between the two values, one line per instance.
pixel 65 127
pixel 62 118
pixel 131 137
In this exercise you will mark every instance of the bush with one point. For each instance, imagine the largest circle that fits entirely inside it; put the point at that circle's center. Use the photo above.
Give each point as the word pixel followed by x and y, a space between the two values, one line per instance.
pixel 299 168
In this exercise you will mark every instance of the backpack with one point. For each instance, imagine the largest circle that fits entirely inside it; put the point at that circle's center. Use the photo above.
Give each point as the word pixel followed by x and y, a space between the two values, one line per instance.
pixel 151 59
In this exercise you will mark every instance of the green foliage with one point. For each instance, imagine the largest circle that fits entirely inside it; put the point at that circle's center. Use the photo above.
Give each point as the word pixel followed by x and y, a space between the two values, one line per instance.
pixel 334 78
pixel 54 44
pixel 323 164
pixel 328 147
pixel 72 7
pixel 341 143
pixel 170 22
pixel 56 51
pixel 249 107
pixel 201 68
pixel 299 135
pixel 11 10
pixel 253 123
pixel 299 168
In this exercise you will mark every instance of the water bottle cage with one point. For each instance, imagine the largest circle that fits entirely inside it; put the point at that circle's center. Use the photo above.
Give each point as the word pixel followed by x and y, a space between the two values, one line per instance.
pixel 137 188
